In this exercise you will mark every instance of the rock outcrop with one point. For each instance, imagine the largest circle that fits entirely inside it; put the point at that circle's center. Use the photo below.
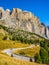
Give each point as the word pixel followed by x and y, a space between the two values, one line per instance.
pixel 48 27
pixel 24 20
pixel 48 31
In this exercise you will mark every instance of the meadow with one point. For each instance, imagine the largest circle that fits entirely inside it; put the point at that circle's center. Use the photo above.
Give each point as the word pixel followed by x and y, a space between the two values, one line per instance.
pixel 7 60
pixel 30 52
pixel 5 44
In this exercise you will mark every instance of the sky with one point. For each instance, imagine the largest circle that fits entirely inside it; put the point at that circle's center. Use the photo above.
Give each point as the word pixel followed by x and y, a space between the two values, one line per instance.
pixel 39 8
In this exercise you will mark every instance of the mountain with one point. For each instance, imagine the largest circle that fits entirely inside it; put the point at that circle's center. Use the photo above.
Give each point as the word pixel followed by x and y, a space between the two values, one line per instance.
pixel 22 20
pixel 48 27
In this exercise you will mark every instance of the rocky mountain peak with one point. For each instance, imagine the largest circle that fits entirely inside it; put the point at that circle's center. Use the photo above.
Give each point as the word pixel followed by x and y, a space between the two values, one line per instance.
pixel 1 9
pixel 48 27
pixel 19 19
pixel 8 11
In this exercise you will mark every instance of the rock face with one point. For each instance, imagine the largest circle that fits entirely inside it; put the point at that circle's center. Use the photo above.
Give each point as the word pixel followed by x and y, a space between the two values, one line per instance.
pixel 48 27
pixel 48 31
pixel 24 20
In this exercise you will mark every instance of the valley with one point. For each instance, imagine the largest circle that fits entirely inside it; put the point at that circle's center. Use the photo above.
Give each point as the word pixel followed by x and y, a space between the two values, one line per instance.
pixel 23 39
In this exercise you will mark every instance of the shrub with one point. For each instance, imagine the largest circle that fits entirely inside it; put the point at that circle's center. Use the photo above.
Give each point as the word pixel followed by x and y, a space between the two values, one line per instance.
pixel 44 44
pixel 30 59
pixel 22 53
pixel 5 38
pixel 44 55
pixel 11 55
pixel 38 58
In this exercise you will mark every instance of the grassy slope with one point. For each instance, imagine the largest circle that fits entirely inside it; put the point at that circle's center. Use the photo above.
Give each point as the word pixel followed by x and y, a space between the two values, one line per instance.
pixel 22 34
pixel 5 44
pixel 30 52
pixel 6 60
pixel 2 33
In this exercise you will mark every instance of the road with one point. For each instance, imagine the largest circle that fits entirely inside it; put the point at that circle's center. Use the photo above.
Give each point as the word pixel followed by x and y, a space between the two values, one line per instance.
pixel 10 51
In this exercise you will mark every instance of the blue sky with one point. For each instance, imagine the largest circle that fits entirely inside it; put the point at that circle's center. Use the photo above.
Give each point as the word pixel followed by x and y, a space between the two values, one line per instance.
pixel 39 8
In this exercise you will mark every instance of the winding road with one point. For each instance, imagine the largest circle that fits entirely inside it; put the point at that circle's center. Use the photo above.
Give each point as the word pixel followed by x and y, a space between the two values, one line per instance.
pixel 10 51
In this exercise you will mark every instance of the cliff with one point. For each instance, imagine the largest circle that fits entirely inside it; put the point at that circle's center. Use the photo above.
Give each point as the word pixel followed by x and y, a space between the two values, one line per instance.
pixel 48 27
pixel 18 19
